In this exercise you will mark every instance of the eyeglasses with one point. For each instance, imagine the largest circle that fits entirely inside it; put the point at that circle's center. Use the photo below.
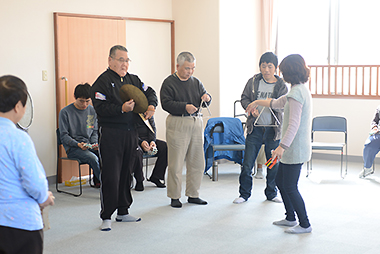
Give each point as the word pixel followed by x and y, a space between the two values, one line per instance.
pixel 122 60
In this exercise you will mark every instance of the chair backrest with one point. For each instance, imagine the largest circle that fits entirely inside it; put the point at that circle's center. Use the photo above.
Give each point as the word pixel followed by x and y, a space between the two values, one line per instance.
pixel 238 105
pixel 238 115
pixel 217 129
pixel 224 130
pixel 58 137
pixel 329 123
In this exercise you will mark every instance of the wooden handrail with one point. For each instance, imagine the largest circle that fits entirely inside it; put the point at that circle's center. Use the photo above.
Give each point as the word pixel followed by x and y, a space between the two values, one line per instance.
pixel 344 81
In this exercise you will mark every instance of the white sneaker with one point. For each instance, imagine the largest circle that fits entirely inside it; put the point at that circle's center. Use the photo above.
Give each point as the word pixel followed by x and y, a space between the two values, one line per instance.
pixel 239 200
pixel 298 230
pixel 127 218
pixel 285 223
pixel 106 225
pixel 259 174
pixel 365 172
pixel 276 200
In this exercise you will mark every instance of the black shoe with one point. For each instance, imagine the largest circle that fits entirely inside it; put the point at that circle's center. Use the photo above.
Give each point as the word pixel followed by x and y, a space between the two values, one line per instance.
pixel 96 180
pixel 197 201
pixel 157 182
pixel 176 203
pixel 96 183
pixel 139 186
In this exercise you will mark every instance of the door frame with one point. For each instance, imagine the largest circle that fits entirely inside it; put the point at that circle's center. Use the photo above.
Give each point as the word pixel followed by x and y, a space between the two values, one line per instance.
pixel 58 14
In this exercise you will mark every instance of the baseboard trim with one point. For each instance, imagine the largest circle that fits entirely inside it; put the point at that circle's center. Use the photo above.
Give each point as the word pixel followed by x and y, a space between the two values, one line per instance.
pixel 336 157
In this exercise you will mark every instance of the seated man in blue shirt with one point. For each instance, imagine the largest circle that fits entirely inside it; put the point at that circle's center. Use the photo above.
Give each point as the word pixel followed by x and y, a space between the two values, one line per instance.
pixel 23 184
pixel 78 127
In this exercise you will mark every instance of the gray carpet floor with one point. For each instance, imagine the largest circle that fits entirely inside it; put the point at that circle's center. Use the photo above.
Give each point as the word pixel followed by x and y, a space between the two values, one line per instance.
pixel 343 212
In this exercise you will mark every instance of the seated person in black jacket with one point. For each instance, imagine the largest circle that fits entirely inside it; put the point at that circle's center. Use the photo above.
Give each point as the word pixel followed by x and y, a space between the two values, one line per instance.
pixel 148 142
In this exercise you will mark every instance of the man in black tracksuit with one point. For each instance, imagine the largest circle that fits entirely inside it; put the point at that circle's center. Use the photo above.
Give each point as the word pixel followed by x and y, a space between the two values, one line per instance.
pixel 118 139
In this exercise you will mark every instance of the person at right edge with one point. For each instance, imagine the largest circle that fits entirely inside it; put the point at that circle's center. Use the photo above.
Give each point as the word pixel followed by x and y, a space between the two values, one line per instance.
pixel 261 86
pixel 371 146
pixel 181 96
pixel 118 139
pixel 295 147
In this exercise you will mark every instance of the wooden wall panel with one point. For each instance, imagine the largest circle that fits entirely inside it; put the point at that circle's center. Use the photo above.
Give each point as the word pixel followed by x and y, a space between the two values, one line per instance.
pixel 82 48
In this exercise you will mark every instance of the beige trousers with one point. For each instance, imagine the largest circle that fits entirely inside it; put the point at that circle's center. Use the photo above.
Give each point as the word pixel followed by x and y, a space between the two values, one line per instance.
pixel 184 136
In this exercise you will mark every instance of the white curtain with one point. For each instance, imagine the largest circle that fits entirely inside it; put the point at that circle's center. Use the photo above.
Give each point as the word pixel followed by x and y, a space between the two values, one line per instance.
pixel 269 25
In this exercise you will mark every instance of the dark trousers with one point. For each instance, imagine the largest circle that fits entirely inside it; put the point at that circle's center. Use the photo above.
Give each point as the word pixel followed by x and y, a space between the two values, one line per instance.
pixel 253 143
pixel 287 182
pixel 160 166
pixel 117 155
pixel 14 240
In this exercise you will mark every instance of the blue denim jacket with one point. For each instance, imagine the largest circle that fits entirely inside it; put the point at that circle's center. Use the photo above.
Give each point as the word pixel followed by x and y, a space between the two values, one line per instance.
pixel 233 134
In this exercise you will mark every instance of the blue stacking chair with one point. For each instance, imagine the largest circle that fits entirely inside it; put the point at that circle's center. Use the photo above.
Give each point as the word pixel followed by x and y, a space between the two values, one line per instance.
pixel 224 139
pixel 329 124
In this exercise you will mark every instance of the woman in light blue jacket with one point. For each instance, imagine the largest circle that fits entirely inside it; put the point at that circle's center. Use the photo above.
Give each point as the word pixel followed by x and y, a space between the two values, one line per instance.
pixel 23 184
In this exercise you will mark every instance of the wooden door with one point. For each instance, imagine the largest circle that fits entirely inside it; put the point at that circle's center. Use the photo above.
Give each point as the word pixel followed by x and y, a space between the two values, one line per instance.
pixel 82 44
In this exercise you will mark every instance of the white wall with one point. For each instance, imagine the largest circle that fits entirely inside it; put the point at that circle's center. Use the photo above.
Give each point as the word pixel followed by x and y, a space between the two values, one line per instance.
pixel 240 50
pixel 27 48
pixel 151 60
pixel 197 31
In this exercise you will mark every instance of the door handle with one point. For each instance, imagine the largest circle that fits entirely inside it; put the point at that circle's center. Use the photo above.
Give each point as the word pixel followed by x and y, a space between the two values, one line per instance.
pixel 64 78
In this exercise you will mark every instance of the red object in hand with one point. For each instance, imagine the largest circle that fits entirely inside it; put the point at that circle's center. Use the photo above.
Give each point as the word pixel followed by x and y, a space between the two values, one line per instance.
pixel 271 162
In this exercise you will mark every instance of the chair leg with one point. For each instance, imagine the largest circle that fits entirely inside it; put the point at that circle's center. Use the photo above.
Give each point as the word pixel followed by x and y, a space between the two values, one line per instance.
pixel 91 178
pixel 343 175
pixel 346 162
pixel 71 193
pixel 56 178
pixel 311 166
pixel 146 168
pixel 215 171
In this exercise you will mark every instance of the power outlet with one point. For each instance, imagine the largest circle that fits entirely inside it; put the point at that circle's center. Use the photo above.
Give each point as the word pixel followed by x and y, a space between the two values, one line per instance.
pixel 44 76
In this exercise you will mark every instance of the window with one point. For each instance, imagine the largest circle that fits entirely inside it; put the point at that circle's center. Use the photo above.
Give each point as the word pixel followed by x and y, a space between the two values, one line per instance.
pixel 338 40
pixel 303 28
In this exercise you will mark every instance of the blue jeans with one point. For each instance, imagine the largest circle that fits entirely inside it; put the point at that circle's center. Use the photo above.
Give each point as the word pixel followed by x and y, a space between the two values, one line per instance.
pixel 88 156
pixel 253 142
pixel 287 182
pixel 371 148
